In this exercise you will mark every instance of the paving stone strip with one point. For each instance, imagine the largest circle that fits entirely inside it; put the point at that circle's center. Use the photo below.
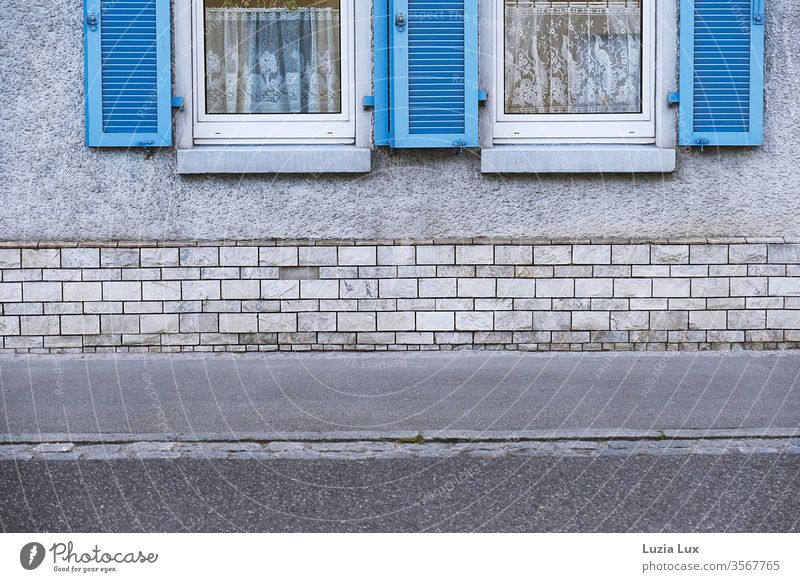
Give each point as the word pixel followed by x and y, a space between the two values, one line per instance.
pixel 355 450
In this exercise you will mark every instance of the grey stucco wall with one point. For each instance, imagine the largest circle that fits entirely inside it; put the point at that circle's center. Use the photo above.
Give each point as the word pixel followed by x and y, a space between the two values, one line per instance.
pixel 52 187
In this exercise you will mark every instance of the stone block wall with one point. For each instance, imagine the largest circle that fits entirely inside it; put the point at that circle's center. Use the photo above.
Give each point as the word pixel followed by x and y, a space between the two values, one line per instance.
pixel 400 295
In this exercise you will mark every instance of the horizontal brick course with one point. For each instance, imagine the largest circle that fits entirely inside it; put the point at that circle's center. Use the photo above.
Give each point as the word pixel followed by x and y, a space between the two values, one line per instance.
pixel 514 294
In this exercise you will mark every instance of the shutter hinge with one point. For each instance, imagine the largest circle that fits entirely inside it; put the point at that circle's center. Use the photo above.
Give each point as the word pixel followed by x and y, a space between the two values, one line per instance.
pixel 758 12
pixel 674 97
pixel 701 142
pixel 177 102
pixel 482 96
pixel 369 101
pixel 460 144
pixel 93 19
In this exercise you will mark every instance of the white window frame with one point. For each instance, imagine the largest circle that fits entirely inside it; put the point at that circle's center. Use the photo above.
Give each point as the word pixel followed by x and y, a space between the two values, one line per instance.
pixel 336 128
pixel 632 128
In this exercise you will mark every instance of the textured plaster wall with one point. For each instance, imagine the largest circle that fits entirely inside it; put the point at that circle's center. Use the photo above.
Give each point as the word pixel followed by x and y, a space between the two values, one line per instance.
pixel 52 187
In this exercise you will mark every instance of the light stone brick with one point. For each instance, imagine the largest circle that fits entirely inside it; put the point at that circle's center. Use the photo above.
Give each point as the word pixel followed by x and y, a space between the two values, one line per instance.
pixel 278 256
pixel 595 287
pixel 776 319
pixel 80 324
pixel 437 287
pixel 199 322
pixel 200 290
pixel 41 258
pixel 603 304
pixel 495 271
pixel 377 272
pixel 158 323
pixel 630 254
pixel 10 292
pixel 632 287
pixel 728 336
pixel 570 337
pixel 671 287
pixel 311 321
pixel 280 289
pixel 783 286
pixel 552 254
pixel 157 257
pixel 591 320
pixel 748 286
pixel 416 304
pixel 467 304
pixel 199 257
pixel 516 288
pixel 416 271
pixel 454 338
pixel 747 319
pixel 493 337
pixel 238 256
pixel 455 271
pixel 332 337
pixel 317 256
pixel 474 254
pixel 707 320
pixel 415 338
pixel 121 258
pixel 727 270
pixel 513 320
pixel 630 320
pixel 655 271
pixel 160 290
pixel 573 271
pixel 179 274
pixel 358 289
pixel 259 272
pixel 784 253
pixel 669 254
pixel 766 270
pixel 143 306
pixel 669 320
pixel 571 304
pixel 550 320
pixel 299 305
pixel 749 253
pixel 358 256
pixel 494 304
pixel 396 255
pixel 710 287
pixel 356 322
pixel 80 258
pixel 513 255
pixel 435 321
pixel 555 287
pixel 476 288
pixel 396 321
pixel 39 324
pixel 102 307
pixel 220 272
pixel 277 322
pixel 602 271
pixel 708 254
pixel 393 288
pixel 371 338
pixel 533 271
pixel 435 255
pixel 767 303
pixel 591 254
pixel 22 308
pixel 10 259
pixel 238 322
pixel 9 325
pixel 35 291
pixel 475 321
pixel 319 289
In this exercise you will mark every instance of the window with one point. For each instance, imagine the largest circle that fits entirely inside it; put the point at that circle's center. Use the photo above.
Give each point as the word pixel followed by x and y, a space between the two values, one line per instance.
pixel 273 71
pixel 574 71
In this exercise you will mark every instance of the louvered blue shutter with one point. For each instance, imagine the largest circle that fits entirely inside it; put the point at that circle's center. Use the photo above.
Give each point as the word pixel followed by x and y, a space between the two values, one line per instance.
pixel 432 74
pixel 128 78
pixel 722 72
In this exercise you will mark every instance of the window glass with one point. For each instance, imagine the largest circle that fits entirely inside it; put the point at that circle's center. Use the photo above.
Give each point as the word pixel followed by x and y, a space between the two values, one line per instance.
pixel 272 56
pixel 568 56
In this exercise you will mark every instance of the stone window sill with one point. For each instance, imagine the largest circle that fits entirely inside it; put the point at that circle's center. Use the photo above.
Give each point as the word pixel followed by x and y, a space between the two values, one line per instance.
pixel 576 158
pixel 274 159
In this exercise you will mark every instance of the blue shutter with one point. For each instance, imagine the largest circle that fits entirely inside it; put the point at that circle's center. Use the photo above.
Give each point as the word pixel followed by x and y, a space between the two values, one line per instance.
pixel 722 72
pixel 431 85
pixel 128 77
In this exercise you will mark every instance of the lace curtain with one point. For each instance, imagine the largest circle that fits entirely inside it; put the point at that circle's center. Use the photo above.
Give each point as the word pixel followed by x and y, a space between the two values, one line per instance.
pixel 572 57
pixel 272 60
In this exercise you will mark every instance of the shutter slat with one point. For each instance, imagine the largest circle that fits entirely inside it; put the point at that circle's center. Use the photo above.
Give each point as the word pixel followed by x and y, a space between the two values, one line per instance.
pixel 722 52
pixel 128 73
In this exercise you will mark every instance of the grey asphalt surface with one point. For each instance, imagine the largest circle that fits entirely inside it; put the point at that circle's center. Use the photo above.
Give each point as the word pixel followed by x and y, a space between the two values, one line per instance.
pixel 690 493
pixel 275 394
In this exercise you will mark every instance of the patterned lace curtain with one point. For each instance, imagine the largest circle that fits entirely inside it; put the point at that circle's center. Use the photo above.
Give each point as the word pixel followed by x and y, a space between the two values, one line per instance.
pixel 573 57
pixel 272 60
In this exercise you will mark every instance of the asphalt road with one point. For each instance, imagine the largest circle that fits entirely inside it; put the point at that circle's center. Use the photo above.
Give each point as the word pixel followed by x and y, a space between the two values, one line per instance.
pixel 694 493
